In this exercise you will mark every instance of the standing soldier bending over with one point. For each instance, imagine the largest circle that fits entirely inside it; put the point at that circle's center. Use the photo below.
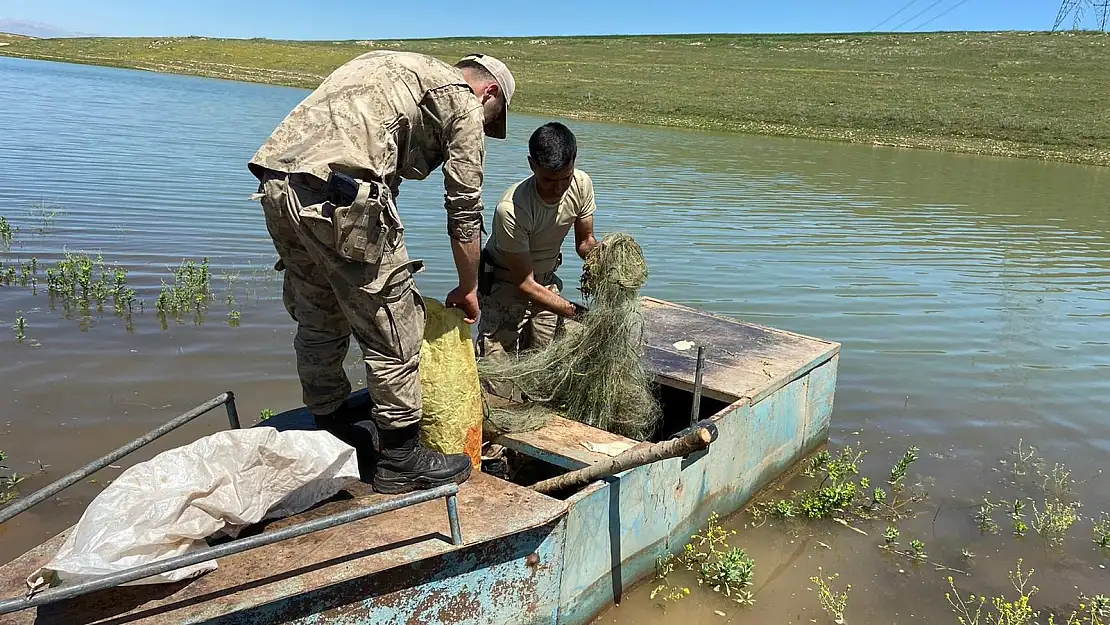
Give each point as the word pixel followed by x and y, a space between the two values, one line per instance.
pixel 520 292
pixel 329 174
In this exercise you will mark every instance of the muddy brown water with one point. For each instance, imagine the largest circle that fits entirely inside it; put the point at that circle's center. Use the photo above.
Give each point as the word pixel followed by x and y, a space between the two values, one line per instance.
pixel 970 295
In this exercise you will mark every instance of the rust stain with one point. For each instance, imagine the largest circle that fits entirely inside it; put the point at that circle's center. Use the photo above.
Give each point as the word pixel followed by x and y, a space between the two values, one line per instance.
pixel 401 546
pixel 457 608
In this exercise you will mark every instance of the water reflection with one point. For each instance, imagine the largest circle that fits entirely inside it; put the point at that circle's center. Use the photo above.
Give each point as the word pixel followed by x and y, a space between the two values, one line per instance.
pixel 971 296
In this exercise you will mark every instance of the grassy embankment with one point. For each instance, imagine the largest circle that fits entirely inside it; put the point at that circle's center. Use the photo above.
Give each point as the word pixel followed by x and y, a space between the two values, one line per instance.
pixel 1036 95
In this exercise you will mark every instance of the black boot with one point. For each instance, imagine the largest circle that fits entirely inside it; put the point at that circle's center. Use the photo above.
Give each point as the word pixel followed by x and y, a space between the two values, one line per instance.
pixel 405 465
pixel 353 426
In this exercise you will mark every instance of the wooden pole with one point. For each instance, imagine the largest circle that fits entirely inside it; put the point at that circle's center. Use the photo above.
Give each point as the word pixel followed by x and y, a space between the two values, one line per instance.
pixel 696 440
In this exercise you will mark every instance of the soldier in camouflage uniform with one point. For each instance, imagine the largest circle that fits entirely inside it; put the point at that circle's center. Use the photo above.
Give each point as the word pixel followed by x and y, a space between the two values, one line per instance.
pixel 519 292
pixel 328 177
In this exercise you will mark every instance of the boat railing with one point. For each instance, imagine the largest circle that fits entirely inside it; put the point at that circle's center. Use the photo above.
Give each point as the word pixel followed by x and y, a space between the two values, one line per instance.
pixel 22 504
pixel 227 399
pixel 449 491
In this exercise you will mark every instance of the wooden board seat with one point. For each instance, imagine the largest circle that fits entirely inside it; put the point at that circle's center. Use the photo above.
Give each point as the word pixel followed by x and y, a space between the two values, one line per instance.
pixel 561 443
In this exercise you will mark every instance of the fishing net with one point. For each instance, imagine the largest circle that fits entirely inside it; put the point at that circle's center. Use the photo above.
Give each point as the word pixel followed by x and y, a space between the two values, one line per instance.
pixel 595 372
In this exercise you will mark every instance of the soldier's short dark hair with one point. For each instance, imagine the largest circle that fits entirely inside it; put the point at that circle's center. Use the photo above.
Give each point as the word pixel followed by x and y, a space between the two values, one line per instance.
pixel 477 68
pixel 553 147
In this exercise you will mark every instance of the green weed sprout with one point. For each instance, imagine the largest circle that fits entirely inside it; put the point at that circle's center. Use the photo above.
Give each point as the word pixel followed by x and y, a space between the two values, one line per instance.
pixel 833 603
pixel 1054 521
pixel 20 327
pixel 7 233
pixel 726 570
pixel 1102 531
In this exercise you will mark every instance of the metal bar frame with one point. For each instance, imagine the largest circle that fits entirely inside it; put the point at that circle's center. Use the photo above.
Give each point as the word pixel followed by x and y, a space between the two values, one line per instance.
pixel 695 409
pixel 449 491
pixel 24 503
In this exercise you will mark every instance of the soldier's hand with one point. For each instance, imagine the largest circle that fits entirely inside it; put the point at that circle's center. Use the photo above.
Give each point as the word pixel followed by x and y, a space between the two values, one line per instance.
pixel 467 301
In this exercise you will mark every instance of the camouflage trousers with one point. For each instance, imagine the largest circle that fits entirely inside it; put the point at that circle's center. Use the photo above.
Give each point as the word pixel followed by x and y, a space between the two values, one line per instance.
pixel 332 298
pixel 510 324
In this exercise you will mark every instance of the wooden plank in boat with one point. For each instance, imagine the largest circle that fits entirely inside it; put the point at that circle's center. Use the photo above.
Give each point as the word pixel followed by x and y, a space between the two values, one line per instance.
pixel 561 443
pixel 742 360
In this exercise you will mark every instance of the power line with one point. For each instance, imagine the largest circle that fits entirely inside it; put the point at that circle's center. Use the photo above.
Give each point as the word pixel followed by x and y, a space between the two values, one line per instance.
pixel 893 15
pixel 940 15
pixel 922 12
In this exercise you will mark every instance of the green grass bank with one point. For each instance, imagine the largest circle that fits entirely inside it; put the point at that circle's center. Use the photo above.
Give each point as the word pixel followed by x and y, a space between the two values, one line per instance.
pixel 1035 95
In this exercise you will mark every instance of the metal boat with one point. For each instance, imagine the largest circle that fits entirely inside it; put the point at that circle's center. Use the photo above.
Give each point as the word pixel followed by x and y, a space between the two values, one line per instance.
pixel 492 551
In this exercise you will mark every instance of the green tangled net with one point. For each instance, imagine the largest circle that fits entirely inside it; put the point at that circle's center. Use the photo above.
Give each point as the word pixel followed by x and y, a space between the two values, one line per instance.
pixel 595 372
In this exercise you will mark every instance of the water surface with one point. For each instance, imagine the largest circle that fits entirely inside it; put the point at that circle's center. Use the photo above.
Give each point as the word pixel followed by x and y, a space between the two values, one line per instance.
pixel 970 295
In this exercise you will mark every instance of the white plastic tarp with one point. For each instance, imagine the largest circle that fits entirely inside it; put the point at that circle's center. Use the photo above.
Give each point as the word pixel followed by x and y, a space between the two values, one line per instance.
pixel 168 505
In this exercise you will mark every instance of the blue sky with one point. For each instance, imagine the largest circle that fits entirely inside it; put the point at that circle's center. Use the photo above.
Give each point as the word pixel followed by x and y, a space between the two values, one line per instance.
pixel 367 19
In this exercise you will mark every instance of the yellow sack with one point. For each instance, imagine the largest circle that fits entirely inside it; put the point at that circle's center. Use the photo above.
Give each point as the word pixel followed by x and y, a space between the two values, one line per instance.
pixel 451 393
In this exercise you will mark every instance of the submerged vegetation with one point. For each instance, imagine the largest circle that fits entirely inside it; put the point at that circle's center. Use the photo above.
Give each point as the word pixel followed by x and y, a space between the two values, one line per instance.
pixel 724 569
pixel 190 292
pixel 9 482
pixel 836 492
pixel 82 285
pixel 20 327
pixel 1102 531
pixel 1055 514
pixel 1043 502
pixel 1000 610
pixel 1026 94
pixel 7 232
pixel 832 602
pixel 73 283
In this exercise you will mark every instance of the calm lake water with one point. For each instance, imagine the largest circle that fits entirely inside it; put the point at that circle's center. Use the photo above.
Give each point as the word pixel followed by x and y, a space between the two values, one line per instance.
pixel 971 295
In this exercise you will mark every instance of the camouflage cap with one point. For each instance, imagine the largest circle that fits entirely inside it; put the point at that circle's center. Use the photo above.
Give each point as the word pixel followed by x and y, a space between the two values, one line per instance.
pixel 504 80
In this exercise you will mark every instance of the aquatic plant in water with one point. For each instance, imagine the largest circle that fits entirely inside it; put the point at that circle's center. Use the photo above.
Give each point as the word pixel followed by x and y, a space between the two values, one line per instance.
pixel 833 603
pixel 918 549
pixel 1102 531
pixel 190 292
pixel 1005 611
pixel 1017 518
pixel 1054 520
pixel 45 214
pixel 20 327
pixel 837 492
pixel 74 282
pixel 1059 510
pixel 984 518
pixel 595 372
pixel 724 569
pixel 7 233
pixel 890 535
pixel 1001 610
pixel 1025 461
pixel 8 482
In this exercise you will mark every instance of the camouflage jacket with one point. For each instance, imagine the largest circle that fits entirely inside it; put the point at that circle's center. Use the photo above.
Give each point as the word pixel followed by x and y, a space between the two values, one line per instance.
pixel 390 116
